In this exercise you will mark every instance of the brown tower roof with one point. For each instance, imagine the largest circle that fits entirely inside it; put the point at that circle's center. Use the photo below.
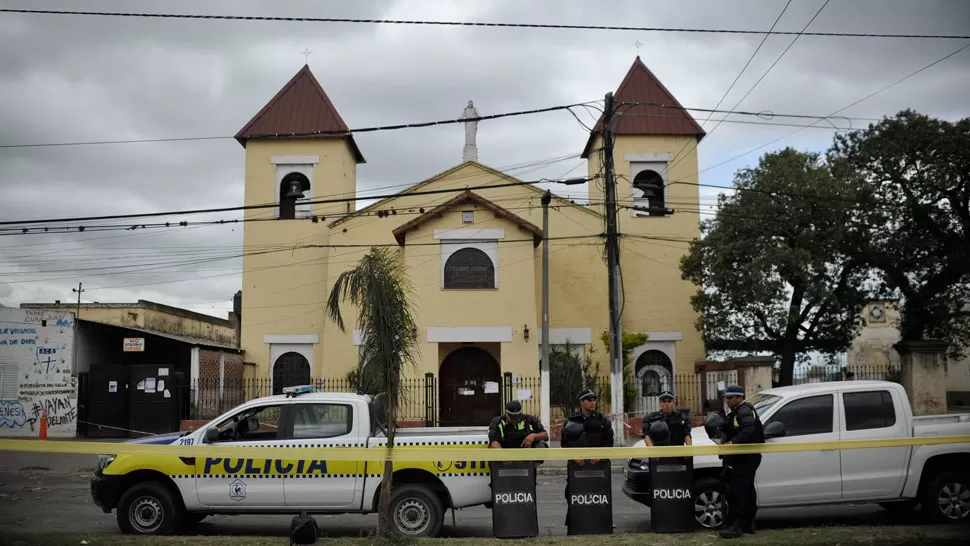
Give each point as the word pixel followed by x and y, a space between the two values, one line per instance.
pixel 640 85
pixel 300 108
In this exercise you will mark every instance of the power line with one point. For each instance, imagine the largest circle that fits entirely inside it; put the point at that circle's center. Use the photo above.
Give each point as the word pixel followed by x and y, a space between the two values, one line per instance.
pixel 475 24
pixel 300 202
pixel 313 133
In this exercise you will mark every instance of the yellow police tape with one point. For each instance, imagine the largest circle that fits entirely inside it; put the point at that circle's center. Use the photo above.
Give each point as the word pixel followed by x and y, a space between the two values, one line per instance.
pixel 456 453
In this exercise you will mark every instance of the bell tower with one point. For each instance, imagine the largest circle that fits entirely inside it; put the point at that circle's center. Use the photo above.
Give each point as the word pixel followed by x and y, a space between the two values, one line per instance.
pixel 655 152
pixel 298 148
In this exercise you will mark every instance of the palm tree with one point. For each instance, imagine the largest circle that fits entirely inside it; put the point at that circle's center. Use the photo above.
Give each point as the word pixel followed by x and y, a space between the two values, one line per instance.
pixel 379 289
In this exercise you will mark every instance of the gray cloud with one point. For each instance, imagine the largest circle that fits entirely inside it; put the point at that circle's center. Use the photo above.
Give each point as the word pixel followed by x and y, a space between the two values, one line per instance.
pixel 89 78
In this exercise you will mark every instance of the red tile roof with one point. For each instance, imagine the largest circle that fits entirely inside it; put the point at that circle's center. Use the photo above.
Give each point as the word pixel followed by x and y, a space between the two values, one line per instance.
pixel 640 85
pixel 400 233
pixel 300 108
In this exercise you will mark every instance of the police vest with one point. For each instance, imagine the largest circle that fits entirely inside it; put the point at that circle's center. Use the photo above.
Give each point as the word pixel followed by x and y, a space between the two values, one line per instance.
pixel 513 434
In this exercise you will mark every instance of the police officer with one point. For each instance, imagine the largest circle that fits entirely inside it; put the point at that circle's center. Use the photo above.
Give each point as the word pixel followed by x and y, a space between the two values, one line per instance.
pixel 595 431
pixel 678 424
pixel 743 427
pixel 515 429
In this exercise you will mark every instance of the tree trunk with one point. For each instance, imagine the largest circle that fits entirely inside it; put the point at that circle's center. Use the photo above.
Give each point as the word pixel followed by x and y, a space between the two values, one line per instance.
pixel 787 375
pixel 385 521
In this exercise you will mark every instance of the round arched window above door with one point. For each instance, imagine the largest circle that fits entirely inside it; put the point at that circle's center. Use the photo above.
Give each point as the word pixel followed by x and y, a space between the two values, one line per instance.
pixel 469 268
pixel 289 370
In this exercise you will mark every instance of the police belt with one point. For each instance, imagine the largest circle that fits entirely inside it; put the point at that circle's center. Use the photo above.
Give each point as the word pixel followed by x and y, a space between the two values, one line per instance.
pixel 438 453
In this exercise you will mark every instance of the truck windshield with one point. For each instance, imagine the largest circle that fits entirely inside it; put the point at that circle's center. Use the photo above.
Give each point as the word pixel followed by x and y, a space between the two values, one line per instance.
pixel 762 402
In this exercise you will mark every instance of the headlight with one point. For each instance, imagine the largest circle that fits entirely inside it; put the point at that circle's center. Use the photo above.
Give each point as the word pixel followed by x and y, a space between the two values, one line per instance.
pixel 103 461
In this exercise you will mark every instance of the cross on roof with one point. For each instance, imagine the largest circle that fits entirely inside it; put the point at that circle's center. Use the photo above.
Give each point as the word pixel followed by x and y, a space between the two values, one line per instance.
pixel 637 45
pixel 306 55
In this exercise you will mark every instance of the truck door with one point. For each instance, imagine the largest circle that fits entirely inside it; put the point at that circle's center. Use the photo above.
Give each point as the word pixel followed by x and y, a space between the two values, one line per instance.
pixel 805 476
pixel 317 482
pixel 877 473
pixel 240 482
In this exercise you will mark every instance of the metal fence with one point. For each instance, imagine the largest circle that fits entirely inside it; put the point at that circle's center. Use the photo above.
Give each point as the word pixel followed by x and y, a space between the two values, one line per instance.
pixel 697 393
pixel 209 399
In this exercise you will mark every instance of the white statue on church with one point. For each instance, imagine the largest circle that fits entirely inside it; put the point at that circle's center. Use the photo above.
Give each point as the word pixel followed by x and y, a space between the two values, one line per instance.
pixel 470 152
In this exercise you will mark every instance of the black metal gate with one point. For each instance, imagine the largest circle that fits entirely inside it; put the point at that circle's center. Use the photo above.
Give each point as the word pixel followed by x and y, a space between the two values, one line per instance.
pixel 117 400
pixel 106 402
pixel 153 404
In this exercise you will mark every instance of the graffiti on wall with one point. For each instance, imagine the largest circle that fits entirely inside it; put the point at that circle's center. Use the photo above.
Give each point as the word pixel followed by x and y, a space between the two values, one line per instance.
pixel 36 363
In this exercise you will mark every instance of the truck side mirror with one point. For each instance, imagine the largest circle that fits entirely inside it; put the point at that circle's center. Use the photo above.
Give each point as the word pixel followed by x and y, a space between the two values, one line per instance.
pixel 211 435
pixel 774 429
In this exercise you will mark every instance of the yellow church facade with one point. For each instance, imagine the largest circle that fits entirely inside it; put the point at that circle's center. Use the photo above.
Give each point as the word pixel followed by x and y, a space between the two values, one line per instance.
pixel 472 253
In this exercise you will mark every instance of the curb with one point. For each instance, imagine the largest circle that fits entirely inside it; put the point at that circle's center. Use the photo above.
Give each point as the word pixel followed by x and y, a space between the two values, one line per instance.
pixel 561 471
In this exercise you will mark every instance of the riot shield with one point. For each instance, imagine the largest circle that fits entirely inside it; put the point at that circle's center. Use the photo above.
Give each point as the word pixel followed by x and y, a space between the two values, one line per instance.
pixel 514 499
pixel 589 499
pixel 672 506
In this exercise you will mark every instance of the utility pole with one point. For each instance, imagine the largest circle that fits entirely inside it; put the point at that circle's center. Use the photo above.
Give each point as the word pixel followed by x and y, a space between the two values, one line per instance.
pixel 613 262
pixel 544 370
pixel 78 290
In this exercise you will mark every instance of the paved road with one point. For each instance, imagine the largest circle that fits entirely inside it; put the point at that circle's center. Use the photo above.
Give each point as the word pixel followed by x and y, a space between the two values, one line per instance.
pixel 50 493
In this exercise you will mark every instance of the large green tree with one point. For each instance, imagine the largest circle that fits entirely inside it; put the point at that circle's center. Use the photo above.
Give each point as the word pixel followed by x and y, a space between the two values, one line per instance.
pixel 379 289
pixel 776 265
pixel 913 175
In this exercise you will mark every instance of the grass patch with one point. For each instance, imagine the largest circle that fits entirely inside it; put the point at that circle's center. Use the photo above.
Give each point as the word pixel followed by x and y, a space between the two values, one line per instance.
pixel 810 536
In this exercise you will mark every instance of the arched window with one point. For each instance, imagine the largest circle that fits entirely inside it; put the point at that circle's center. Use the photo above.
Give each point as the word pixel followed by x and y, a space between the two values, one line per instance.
pixel 651 385
pixel 292 188
pixel 655 196
pixel 291 369
pixel 469 268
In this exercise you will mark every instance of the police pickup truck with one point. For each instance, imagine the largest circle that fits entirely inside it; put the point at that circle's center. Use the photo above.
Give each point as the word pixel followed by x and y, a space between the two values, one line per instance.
pixel 162 494
pixel 937 477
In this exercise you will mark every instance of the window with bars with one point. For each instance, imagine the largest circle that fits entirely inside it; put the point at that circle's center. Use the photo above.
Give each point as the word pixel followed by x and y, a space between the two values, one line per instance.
pixel 469 268
pixel 9 388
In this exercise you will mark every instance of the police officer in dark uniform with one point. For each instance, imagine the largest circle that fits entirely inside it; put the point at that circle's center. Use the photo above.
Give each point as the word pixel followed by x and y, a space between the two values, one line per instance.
pixel 678 424
pixel 743 426
pixel 515 429
pixel 596 431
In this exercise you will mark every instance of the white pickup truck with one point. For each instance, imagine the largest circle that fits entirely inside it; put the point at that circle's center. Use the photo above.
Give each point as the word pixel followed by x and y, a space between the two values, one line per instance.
pixel 937 477
pixel 161 494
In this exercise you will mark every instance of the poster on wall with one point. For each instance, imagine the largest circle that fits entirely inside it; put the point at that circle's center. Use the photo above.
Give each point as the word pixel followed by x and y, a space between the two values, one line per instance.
pixel 36 367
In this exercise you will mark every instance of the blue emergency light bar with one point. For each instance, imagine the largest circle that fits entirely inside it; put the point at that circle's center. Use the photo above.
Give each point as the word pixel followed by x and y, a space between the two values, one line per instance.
pixel 301 389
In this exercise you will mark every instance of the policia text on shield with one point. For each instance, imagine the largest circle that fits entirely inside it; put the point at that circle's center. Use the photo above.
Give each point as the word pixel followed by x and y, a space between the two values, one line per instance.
pixel 514 508
pixel 589 493
pixel 671 478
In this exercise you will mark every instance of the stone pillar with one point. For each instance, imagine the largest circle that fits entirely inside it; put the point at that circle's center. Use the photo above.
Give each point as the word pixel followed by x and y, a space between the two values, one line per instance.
pixel 754 373
pixel 923 366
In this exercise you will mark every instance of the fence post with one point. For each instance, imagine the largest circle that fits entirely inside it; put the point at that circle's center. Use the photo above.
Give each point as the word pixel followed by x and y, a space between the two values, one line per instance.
pixel 429 399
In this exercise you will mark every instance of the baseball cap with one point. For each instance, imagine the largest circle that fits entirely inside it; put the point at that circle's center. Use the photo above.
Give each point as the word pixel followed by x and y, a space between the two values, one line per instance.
pixel 514 407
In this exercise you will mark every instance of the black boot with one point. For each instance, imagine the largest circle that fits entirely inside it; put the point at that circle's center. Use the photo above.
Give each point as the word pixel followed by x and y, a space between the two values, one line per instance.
pixel 731 531
pixel 749 528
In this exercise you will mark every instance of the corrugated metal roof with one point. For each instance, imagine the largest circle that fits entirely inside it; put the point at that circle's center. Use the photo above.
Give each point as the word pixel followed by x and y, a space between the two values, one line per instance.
pixel 641 86
pixel 301 107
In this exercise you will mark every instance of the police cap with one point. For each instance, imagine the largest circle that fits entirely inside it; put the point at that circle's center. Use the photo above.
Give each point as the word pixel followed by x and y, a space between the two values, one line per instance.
pixel 666 394
pixel 586 393
pixel 513 408
pixel 733 390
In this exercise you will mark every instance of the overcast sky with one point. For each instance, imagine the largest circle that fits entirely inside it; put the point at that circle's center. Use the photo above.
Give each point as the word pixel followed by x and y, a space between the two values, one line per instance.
pixel 73 79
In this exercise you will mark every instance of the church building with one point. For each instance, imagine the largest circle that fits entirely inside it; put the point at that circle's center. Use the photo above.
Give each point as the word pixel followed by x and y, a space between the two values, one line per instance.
pixel 472 254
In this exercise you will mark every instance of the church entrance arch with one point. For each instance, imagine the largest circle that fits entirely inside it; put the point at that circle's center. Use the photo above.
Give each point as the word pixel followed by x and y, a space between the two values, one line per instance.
pixel 461 388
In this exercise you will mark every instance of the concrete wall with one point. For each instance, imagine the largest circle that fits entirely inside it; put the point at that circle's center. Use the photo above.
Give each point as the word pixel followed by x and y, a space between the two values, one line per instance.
pixel 36 373
pixel 151 316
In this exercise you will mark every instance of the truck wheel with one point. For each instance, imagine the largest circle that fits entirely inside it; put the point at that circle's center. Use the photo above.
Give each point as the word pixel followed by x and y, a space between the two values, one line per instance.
pixel 946 499
pixel 416 511
pixel 710 503
pixel 149 509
